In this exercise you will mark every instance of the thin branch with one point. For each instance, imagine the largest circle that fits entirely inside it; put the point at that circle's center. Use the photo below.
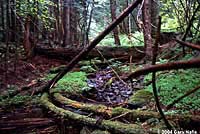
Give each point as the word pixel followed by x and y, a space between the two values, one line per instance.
pixel 194 63
pixel 188 44
pixel 189 26
pixel 155 51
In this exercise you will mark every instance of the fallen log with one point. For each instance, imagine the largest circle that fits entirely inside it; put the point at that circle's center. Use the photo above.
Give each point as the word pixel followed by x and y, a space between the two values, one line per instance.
pixel 25 122
pixel 194 63
pixel 130 115
pixel 108 52
pixel 188 44
pixel 113 126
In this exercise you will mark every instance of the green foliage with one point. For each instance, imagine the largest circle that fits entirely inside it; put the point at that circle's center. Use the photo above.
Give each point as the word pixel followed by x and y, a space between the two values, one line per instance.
pixel 140 97
pixel 135 39
pixel 37 9
pixel 169 24
pixel 176 83
pixel 87 69
pixel 18 100
pixel 74 82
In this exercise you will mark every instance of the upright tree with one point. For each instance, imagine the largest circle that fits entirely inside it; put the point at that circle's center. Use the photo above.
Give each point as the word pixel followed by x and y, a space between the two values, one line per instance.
pixel 113 5
pixel 147 28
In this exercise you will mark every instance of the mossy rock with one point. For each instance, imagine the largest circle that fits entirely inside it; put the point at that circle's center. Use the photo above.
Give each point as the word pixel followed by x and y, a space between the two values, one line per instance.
pixel 140 98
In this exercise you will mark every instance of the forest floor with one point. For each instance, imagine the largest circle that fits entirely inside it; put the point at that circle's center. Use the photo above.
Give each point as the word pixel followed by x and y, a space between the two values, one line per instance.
pixel 23 114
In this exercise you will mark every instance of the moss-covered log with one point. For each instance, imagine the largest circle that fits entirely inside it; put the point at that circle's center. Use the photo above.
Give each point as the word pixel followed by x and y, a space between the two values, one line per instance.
pixel 130 115
pixel 114 126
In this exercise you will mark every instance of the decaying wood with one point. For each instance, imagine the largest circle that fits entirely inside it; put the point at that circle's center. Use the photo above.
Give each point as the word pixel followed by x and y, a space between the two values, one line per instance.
pixel 194 63
pixel 130 115
pixel 108 52
pixel 114 126
pixel 188 44
pixel 26 122
pixel 86 50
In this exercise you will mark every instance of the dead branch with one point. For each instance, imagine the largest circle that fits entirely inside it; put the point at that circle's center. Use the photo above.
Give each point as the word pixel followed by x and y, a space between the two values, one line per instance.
pixel 188 44
pixel 26 122
pixel 194 63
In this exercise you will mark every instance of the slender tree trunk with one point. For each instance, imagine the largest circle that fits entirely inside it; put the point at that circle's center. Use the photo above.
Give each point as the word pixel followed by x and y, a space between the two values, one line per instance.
pixel 84 26
pixel 154 16
pixel 90 20
pixel 113 16
pixel 28 46
pixel 147 29
pixel 66 23
pixel 8 19
pixel 13 20
pixel 3 20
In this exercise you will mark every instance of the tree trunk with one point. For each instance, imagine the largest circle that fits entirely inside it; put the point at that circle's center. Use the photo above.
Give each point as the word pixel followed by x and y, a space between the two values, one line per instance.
pixel 28 46
pixel 148 42
pixel 3 20
pixel 113 16
pixel 66 23
pixel 154 16
pixel 13 20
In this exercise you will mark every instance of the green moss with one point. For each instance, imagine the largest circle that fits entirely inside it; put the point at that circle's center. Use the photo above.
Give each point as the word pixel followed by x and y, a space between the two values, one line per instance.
pixel 18 100
pixel 176 83
pixel 140 97
pixel 72 82
pixel 100 132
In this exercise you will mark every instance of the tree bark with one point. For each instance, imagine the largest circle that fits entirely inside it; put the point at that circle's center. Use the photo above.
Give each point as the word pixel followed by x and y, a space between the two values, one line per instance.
pixel 27 44
pixel 3 20
pixel 113 5
pixel 147 29
pixel 194 63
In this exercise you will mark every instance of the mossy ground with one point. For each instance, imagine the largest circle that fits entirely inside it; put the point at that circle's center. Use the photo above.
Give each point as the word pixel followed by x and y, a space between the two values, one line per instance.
pixel 73 82
pixel 174 84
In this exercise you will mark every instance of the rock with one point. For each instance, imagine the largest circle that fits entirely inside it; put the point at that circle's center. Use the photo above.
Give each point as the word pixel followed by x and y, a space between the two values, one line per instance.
pixel 139 99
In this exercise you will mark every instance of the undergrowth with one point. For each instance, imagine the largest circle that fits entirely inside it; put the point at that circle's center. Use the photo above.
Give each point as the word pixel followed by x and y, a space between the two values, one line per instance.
pixel 18 100
pixel 173 84
pixel 134 39
pixel 74 82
